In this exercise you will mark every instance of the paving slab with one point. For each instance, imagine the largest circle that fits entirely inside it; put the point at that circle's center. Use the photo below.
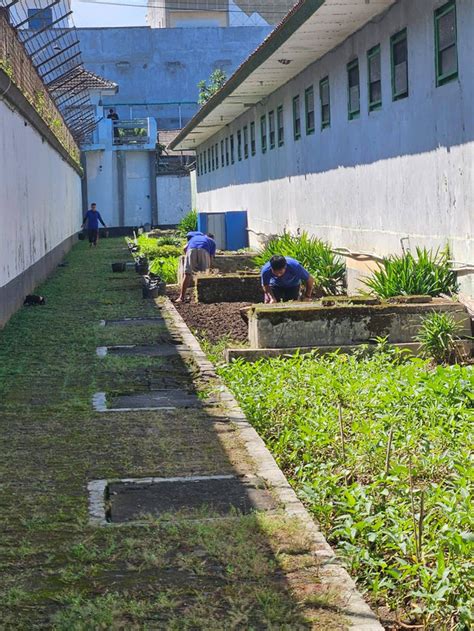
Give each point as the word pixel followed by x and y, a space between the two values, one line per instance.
pixel 154 400
pixel 138 321
pixel 129 500
pixel 166 349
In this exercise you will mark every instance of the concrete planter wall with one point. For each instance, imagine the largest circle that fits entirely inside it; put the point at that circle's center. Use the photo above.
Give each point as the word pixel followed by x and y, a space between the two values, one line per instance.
pixel 306 325
pixel 226 264
pixel 228 288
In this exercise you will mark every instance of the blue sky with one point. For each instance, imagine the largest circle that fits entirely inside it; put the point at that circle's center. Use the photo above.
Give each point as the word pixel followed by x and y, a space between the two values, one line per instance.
pixel 92 14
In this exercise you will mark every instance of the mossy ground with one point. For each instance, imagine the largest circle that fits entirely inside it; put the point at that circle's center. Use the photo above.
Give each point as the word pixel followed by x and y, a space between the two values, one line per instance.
pixel 244 572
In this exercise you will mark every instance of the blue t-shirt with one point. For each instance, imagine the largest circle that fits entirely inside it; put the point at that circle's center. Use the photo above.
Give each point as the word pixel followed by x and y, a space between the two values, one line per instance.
pixel 194 233
pixel 93 217
pixel 202 242
pixel 292 277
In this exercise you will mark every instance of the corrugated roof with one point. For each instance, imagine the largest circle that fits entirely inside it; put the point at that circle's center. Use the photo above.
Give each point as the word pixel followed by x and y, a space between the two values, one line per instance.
pixel 86 79
pixel 309 31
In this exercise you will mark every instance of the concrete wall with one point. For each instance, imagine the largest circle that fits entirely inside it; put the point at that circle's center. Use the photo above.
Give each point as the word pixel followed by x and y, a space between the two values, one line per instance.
pixel 40 209
pixel 174 198
pixel 158 69
pixel 405 170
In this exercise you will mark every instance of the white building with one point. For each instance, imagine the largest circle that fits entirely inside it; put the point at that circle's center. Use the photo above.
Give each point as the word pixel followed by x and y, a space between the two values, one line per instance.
pixel 351 122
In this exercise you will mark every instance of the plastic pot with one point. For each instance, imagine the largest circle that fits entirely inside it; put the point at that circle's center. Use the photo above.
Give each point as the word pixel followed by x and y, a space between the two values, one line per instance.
pixel 81 236
pixel 118 267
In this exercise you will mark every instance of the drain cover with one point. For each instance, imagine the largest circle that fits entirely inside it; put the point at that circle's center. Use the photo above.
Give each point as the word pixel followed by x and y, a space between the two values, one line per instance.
pixel 133 321
pixel 158 350
pixel 156 399
pixel 129 500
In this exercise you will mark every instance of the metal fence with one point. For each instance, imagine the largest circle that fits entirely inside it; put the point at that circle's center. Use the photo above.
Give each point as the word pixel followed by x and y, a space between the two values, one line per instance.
pixel 42 41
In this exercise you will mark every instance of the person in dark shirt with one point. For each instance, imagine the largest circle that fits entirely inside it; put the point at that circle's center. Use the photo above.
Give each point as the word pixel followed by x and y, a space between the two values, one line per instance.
pixel 92 218
pixel 199 252
pixel 282 277
pixel 115 117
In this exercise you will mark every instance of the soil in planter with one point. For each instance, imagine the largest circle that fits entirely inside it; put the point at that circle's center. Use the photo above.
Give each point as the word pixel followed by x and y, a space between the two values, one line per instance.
pixel 215 321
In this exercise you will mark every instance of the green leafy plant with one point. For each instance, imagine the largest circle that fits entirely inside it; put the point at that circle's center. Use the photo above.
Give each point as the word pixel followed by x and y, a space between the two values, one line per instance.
pixel 166 268
pixel 315 255
pixel 152 248
pixel 439 336
pixel 207 90
pixel 426 274
pixel 188 223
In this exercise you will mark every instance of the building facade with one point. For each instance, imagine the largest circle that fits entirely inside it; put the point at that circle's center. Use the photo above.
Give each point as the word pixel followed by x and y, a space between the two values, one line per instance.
pixel 370 146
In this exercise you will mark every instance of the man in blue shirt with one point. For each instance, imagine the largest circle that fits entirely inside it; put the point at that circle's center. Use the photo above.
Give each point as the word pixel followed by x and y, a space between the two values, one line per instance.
pixel 199 252
pixel 92 218
pixel 282 277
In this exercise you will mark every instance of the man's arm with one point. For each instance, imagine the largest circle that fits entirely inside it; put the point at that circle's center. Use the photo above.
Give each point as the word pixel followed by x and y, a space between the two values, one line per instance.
pixel 101 220
pixel 84 221
pixel 309 283
pixel 268 295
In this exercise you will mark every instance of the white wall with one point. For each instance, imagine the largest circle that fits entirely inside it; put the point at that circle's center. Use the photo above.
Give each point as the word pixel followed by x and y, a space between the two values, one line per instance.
pixel 40 196
pixel 174 198
pixel 365 184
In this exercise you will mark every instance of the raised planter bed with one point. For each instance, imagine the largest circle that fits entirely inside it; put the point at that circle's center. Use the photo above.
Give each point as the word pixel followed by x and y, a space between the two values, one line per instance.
pixel 310 324
pixel 211 288
pixel 226 264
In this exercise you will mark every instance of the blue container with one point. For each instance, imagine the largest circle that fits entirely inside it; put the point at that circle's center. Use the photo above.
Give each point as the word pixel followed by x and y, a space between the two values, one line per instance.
pixel 229 228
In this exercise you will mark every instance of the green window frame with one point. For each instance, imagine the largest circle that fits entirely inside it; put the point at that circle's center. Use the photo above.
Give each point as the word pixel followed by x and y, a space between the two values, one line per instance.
pixel 325 99
pixel 246 142
pixel 374 78
pixel 227 151
pixel 280 126
pixel 309 110
pixel 353 89
pixel 253 143
pixel 271 129
pixel 239 145
pixel 399 65
pixel 296 117
pixel 263 133
pixel 232 149
pixel 446 43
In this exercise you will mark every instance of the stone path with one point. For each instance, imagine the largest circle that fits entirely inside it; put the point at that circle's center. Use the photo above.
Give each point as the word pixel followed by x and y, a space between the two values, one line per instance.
pixel 166 512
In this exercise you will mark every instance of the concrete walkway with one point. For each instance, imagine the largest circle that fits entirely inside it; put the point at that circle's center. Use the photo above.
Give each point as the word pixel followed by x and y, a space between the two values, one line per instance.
pixel 135 493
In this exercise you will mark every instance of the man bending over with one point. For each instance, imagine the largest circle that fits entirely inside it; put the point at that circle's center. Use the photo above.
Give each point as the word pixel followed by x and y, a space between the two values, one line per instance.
pixel 281 280
pixel 199 252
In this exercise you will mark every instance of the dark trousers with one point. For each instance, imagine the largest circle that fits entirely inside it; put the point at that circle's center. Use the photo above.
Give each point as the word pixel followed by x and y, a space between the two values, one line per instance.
pixel 93 236
pixel 283 294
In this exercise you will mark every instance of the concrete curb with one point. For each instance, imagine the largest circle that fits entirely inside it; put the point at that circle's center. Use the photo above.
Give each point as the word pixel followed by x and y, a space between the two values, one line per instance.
pixel 356 610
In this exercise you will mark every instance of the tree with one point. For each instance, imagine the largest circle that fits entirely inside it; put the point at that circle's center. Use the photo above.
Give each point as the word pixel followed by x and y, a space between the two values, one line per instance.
pixel 216 81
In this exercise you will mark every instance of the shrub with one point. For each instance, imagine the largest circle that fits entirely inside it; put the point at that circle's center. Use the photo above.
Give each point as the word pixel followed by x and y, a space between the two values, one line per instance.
pixel 166 268
pixel 153 249
pixel 438 337
pixel 189 223
pixel 425 274
pixel 315 255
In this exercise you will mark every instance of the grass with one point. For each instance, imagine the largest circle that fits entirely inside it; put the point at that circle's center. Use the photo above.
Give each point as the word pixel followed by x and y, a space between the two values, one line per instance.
pixel 57 571
pixel 379 449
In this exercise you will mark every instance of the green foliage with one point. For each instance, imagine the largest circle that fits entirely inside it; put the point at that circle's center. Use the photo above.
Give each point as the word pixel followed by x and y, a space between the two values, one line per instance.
pixel 438 337
pixel 216 81
pixel 426 274
pixel 171 240
pixel 380 452
pixel 315 255
pixel 153 249
pixel 189 223
pixel 166 268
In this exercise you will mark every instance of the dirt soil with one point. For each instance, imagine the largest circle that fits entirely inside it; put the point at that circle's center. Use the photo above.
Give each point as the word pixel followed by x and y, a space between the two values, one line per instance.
pixel 214 322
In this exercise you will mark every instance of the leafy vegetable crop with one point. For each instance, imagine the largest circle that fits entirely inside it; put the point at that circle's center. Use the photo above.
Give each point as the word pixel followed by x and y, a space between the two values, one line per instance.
pixel 315 255
pixel 379 448
pixel 188 223
pixel 427 274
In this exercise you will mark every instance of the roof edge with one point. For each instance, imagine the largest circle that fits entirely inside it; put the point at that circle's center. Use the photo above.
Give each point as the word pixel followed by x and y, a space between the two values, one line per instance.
pixel 297 16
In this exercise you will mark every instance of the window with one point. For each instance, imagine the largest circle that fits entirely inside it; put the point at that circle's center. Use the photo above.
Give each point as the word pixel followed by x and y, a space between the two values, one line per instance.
pixel 216 153
pixel 39 18
pixel 296 118
pixel 253 144
pixel 246 142
pixel 309 109
pixel 227 152
pixel 399 57
pixel 374 71
pixel 213 163
pixel 446 43
pixel 239 145
pixel 209 160
pixel 232 158
pixel 271 129
pixel 263 133
pixel 222 154
pixel 325 103
pixel 198 164
pixel 280 126
pixel 353 83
